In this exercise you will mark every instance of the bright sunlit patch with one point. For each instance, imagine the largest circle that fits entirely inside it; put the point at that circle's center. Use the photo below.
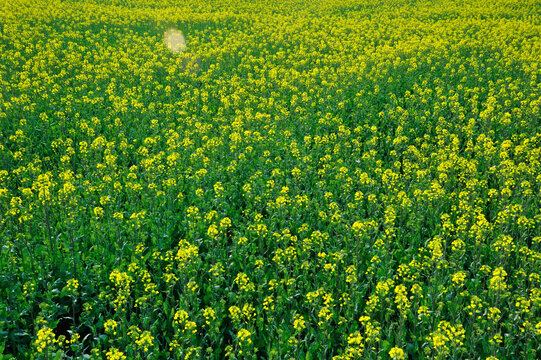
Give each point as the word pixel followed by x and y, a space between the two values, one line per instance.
pixel 174 39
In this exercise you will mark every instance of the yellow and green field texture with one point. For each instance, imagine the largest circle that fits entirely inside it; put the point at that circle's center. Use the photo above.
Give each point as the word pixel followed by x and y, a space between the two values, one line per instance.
pixel 343 179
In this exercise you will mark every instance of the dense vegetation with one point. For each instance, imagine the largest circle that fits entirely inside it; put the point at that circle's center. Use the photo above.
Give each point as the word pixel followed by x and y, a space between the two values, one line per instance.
pixel 306 180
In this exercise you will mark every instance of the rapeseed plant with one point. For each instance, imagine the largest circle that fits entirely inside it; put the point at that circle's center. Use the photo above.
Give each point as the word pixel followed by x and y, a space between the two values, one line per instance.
pixel 336 179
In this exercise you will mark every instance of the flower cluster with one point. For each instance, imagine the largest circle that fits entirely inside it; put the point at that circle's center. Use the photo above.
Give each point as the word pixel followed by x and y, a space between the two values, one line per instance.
pixel 342 179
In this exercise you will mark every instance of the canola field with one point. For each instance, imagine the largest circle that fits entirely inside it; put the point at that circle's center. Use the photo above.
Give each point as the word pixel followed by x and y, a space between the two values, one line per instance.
pixel 343 179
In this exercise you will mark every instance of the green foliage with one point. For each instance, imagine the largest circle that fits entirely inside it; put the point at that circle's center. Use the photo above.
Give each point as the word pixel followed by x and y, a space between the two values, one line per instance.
pixel 332 180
